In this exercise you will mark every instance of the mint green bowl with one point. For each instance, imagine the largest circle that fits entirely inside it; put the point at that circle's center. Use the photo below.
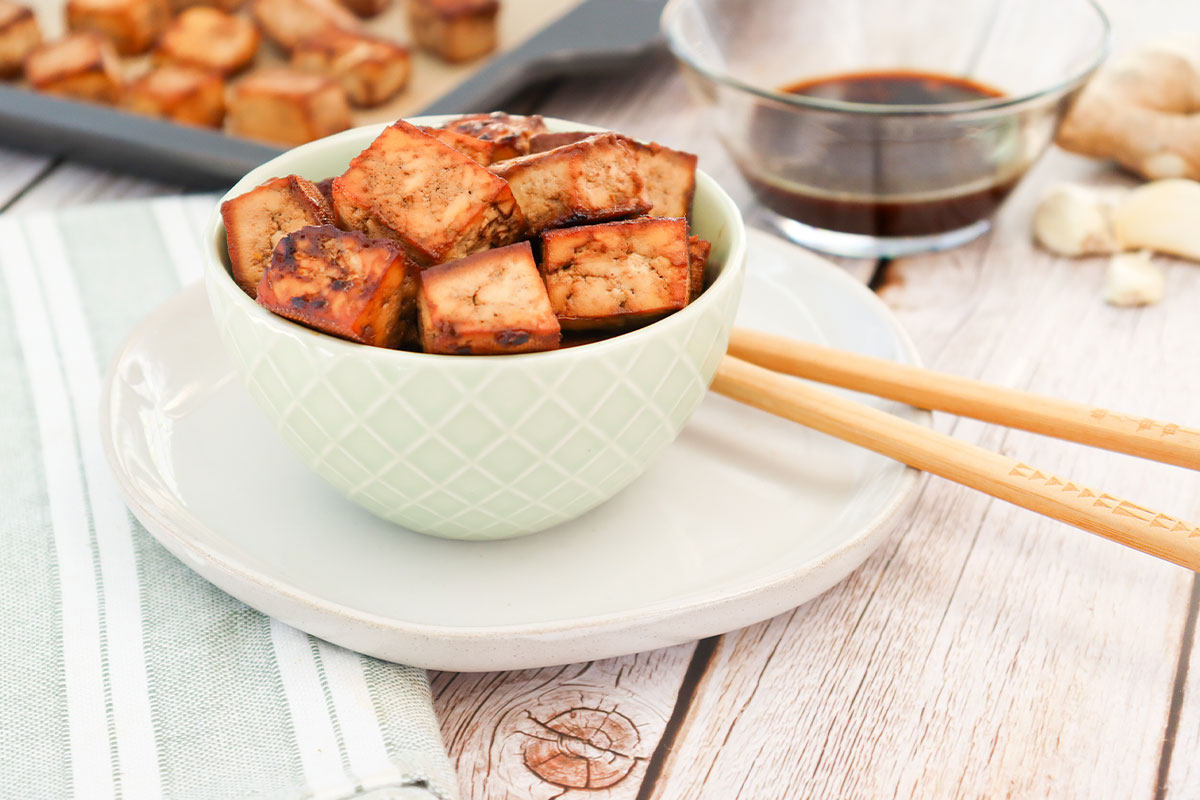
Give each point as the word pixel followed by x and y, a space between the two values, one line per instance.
pixel 477 447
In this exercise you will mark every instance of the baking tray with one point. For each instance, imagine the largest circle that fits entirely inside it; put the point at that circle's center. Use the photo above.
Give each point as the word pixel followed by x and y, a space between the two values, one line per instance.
pixel 594 36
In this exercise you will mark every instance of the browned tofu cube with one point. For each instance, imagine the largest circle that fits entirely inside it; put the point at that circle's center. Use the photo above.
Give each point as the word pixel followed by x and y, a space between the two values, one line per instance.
pixel 287 107
pixel 210 39
pixel 489 303
pixel 438 203
pixel 510 134
pixel 541 142
pixel 454 30
pixel 670 178
pixel 82 66
pixel 19 36
pixel 698 251
pixel 343 284
pixel 610 275
pixel 132 25
pixel 478 150
pixel 592 180
pixel 179 93
pixel 224 5
pixel 257 220
pixel 325 187
pixel 367 8
pixel 288 22
pixel 370 69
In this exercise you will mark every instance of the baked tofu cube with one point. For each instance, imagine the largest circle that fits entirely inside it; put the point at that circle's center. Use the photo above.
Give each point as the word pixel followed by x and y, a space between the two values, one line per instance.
pixel 367 8
pixel 478 150
pixel 592 180
pixel 343 284
pixel 210 39
pixel 698 251
pixel 510 134
pixel 132 25
pixel 541 142
pixel 370 69
pixel 610 275
pixel 489 303
pixel 287 107
pixel 325 187
pixel 288 22
pixel 257 220
pixel 225 5
pixel 82 66
pixel 670 178
pixel 19 36
pixel 438 203
pixel 454 30
pixel 179 93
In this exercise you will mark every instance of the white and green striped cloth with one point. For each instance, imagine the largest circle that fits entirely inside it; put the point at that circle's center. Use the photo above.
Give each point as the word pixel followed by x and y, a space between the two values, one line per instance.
pixel 122 673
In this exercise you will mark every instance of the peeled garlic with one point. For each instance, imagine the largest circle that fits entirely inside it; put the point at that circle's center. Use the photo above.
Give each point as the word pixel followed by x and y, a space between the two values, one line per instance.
pixel 1163 216
pixel 1133 280
pixel 1073 221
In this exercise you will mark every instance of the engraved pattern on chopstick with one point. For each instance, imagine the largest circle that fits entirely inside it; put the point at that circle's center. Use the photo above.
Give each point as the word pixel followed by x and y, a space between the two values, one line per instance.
pixel 1144 424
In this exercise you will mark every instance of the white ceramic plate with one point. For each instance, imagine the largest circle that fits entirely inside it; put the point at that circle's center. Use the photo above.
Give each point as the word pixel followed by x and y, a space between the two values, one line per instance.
pixel 745 516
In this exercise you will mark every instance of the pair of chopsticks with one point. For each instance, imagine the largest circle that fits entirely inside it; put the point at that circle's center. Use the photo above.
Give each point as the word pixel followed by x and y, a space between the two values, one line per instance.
pixel 755 372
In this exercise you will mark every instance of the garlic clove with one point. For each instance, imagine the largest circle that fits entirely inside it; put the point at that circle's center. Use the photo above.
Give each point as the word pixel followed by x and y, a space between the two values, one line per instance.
pixel 1133 279
pixel 1163 216
pixel 1072 220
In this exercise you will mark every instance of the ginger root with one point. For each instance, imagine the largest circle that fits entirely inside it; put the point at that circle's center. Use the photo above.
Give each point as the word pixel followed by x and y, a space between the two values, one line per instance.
pixel 1139 110
pixel 1072 220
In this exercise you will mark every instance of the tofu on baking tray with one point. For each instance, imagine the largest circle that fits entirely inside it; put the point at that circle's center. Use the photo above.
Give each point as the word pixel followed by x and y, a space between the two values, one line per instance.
pixel 288 22
pixel 19 35
pixel 211 39
pixel 436 201
pixel 488 303
pixel 131 25
pixel 510 135
pixel 371 69
pixel 480 151
pixel 82 66
pixel 342 283
pixel 616 273
pixel 592 180
pixel 454 30
pixel 287 107
pixel 698 252
pixel 257 220
pixel 180 93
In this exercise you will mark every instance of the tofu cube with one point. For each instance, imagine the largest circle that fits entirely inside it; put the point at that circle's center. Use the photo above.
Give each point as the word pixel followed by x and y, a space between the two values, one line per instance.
pixel 616 273
pixel 225 5
pixel 287 107
pixel 210 39
pixel 438 203
pixel 592 180
pixel 370 69
pixel 454 30
pixel 670 178
pixel 509 134
pixel 132 25
pixel 325 187
pixel 480 151
pixel 541 142
pixel 288 22
pixel 256 221
pixel 19 36
pixel 343 284
pixel 489 303
pixel 698 252
pixel 367 8
pixel 82 66
pixel 179 93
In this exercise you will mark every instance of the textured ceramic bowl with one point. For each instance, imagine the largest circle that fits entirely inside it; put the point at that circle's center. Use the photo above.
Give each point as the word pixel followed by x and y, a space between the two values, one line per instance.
pixel 477 447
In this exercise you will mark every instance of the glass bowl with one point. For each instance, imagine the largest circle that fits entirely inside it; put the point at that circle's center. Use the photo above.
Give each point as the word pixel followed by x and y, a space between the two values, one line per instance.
pixel 884 179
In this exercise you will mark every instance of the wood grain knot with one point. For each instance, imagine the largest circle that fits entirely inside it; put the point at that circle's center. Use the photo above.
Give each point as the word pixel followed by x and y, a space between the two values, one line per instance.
pixel 583 748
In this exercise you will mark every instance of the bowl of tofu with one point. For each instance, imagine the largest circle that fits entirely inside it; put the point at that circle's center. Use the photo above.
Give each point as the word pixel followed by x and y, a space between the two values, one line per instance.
pixel 476 327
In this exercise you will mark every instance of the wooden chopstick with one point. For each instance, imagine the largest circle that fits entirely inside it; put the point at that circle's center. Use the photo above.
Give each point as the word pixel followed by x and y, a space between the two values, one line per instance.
pixel 988 472
pixel 925 388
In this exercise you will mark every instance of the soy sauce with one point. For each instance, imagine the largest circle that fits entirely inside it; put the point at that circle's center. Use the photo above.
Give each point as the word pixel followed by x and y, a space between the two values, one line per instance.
pixel 858 174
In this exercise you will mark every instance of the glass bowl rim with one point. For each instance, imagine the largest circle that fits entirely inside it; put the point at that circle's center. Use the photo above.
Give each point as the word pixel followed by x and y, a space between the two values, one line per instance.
pixel 1100 50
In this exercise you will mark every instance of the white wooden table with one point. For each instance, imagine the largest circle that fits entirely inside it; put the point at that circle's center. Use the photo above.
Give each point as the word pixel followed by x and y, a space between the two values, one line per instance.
pixel 982 651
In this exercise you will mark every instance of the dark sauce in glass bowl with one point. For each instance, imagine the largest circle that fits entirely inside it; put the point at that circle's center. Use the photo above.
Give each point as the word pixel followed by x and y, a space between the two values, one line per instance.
pixel 857 174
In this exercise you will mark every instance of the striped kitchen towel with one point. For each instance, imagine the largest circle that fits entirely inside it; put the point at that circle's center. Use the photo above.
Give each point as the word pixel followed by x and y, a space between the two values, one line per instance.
pixel 122 673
